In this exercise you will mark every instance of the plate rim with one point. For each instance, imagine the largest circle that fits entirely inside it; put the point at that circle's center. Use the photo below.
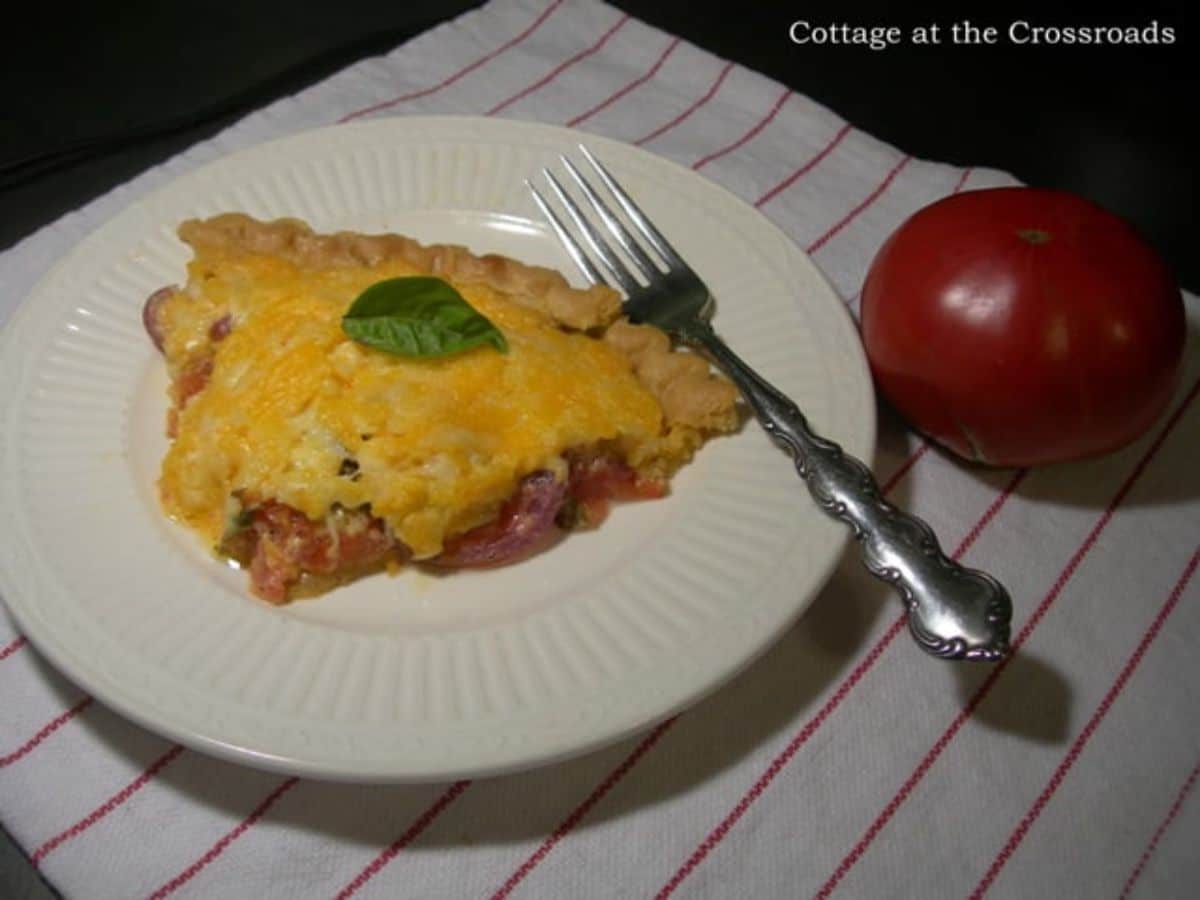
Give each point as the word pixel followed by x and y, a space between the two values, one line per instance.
pixel 31 624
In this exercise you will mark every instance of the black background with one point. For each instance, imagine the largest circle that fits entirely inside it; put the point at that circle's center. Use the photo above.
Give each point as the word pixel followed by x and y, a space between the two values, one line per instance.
pixel 140 81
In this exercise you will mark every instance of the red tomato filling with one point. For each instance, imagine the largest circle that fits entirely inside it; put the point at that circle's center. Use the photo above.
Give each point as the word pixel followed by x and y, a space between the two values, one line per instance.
pixel 191 381
pixel 195 376
pixel 525 525
pixel 281 545
pixel 596 480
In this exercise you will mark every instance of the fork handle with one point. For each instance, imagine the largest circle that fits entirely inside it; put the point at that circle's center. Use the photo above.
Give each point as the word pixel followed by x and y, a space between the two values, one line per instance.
pixel 953 612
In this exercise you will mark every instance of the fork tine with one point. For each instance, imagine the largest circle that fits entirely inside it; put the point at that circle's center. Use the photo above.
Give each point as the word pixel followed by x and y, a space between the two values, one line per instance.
pixel 611 261
pixel 644 263
pixel 652 234
pixel 589 269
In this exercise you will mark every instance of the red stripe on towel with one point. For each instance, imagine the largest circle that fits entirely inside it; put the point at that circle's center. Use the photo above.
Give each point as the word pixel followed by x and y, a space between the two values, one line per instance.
pixel 806 168
pixel 637 82
pixel 708 95
pixel 577 814
pixel 106 807
pixel 1080 742
pixel 759 126
pixel 13 646
pixel 1170 817
pixel 866 202
pixel 560 68
pixel 223 844
pixel 44 732
pixel 423 822
pixel 425 92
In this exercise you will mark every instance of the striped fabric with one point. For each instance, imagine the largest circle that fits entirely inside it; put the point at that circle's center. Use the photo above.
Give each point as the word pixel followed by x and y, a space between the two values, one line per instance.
pixel 843 762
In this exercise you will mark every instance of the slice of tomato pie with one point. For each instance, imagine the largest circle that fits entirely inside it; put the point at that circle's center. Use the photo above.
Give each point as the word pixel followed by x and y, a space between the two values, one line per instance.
pixel 311 458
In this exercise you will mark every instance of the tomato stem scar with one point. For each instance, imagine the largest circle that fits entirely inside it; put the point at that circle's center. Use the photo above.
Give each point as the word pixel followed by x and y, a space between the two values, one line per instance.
pixel 1034 235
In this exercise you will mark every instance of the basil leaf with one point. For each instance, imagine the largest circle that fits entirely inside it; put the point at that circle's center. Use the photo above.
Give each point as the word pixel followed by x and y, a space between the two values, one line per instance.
pixel 418 316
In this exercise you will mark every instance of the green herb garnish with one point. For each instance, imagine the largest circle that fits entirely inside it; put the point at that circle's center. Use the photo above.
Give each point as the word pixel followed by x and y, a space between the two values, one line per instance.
pixel 418 316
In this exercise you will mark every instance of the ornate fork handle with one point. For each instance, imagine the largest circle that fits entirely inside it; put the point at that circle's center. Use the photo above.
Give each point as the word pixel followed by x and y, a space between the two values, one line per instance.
pixel 953 612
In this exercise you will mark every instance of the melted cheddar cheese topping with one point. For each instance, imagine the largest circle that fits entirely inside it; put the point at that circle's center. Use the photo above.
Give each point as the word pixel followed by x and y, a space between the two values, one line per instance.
pixel 439 444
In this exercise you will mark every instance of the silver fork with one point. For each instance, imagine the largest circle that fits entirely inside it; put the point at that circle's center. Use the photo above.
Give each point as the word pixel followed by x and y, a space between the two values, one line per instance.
pixel 953 612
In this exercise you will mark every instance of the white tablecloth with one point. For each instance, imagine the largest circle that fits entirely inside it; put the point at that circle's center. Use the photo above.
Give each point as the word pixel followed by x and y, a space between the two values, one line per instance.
pixel 844 761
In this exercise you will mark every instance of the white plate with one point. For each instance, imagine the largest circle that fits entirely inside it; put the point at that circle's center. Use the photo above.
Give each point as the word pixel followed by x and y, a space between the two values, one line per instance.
pixel 411 677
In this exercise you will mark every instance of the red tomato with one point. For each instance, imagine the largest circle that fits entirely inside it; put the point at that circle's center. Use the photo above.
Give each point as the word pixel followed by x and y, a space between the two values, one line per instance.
pixel 1019 326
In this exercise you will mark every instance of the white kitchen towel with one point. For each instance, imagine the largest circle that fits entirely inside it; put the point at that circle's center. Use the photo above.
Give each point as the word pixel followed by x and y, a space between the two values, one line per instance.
pixel 842 762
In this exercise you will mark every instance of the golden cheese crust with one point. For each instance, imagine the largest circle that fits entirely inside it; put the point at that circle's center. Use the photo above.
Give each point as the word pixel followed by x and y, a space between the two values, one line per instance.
pixel 580 309
pixel 275 402
pixel 689 393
